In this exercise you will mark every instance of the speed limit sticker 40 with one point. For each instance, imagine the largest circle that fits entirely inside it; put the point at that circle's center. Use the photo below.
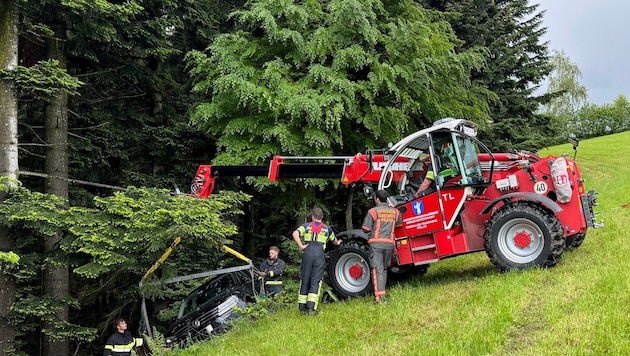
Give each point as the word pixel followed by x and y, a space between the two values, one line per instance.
pixel 540 187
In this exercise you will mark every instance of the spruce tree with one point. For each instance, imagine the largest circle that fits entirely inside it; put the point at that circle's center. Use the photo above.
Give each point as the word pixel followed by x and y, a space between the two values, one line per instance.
pixel 516 64
pixel 320 78
pixel 126 126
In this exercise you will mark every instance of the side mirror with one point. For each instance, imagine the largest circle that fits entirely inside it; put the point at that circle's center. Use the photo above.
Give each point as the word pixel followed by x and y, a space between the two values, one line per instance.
pixel 575 142
pixel 368 191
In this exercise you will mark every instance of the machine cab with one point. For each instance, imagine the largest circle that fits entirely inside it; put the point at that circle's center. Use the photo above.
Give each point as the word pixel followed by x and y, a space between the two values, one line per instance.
pixel 446 154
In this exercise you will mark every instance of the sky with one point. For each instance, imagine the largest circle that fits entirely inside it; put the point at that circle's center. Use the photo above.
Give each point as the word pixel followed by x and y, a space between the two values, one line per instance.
pixel 595 35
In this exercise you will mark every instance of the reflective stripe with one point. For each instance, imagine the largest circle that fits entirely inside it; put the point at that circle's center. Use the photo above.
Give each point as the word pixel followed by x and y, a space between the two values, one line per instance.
pixel 384 218
pixel 375 283
pixel 122 343
pixel 319 295
pixel 322 236
pixel 273 283
pixel 312 297
pixel 381 239
pixel 121 349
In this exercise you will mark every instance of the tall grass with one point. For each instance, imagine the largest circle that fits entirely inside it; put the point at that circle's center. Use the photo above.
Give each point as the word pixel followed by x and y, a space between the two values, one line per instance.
pixel 464 306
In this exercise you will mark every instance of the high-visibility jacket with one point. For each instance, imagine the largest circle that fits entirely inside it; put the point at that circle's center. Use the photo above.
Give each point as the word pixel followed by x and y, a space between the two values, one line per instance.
pixel 316 232
pixel 121 344
pixel 444 173
pixel 380 222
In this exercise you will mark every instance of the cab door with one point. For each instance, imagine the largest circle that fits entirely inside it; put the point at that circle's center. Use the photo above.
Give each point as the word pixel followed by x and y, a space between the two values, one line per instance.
pixel 422 215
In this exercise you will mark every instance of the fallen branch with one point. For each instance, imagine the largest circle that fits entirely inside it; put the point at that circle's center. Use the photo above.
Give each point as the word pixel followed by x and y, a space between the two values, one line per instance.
pixel 70 180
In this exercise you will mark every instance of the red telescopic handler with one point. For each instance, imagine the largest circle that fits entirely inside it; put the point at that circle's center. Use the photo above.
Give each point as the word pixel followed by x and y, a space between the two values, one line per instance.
pixel 523 210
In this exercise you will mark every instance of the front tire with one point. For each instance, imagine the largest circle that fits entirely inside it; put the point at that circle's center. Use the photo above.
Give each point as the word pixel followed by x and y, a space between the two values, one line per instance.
pixel 524 235
pixel 575 241
pixel 349 270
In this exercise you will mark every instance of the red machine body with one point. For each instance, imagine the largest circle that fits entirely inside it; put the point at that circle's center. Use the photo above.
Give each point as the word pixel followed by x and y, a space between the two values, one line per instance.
pixel 365 168
pixel 522 209
pixel 454 221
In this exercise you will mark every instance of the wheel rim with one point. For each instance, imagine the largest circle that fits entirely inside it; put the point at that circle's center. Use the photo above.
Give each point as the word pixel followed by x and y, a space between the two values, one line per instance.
pixel 352 273
pixel 521 240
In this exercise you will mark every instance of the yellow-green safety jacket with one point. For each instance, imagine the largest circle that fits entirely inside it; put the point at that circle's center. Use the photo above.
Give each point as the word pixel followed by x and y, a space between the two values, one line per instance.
pixel 316 232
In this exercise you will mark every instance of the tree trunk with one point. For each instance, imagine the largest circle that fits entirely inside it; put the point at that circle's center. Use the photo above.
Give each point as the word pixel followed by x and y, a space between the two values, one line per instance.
pixel 8 156
pixel 250 233
pixel 8 99
pixel 7 297
pixel 56 278
pixel 349 200
pixel 303 212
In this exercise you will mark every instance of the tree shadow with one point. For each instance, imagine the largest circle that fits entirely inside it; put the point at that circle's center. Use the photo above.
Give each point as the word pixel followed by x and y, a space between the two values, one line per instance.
pixel 449 275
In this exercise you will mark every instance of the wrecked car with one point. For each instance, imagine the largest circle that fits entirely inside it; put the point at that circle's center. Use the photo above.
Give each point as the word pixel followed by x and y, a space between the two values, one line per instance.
pixel 208 309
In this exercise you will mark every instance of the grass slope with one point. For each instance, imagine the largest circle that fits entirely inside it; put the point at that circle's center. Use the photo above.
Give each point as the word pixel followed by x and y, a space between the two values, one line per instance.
pixel 464 306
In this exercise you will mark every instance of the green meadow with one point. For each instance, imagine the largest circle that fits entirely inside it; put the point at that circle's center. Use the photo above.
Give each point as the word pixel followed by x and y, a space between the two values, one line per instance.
pixel 464 306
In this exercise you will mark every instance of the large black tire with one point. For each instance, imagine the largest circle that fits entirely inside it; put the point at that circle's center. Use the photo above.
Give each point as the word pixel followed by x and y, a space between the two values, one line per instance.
pixel 524 235
pixel 349 270
pixel 402 272
pixel 421 270
pixel 575 241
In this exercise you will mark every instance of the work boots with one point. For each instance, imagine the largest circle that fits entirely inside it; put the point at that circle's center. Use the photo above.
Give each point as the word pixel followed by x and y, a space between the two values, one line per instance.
pixel 380 299
pixel 310 308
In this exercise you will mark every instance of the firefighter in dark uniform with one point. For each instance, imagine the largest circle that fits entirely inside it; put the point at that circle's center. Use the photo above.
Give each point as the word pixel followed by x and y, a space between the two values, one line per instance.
pixel 379 223
pixel 315 234
pixel 271 270
pixel 121 342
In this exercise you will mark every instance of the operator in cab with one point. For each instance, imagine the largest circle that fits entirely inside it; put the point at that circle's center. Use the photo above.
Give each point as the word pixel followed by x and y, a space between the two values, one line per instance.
pixel 447 168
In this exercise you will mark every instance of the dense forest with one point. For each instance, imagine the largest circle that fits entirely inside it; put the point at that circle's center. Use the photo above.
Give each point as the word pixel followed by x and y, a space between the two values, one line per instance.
pixel 108 107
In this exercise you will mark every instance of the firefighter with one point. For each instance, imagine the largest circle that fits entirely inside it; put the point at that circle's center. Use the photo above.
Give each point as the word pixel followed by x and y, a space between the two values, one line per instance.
pixel 447 169
pixel 315 234
pixel 271 271
pixel 379 224
pixel 121 342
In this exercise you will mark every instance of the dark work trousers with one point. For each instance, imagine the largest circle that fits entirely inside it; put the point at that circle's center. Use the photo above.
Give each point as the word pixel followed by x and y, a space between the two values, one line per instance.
pixel 311 275
pixel 273 289
pixel 380 257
